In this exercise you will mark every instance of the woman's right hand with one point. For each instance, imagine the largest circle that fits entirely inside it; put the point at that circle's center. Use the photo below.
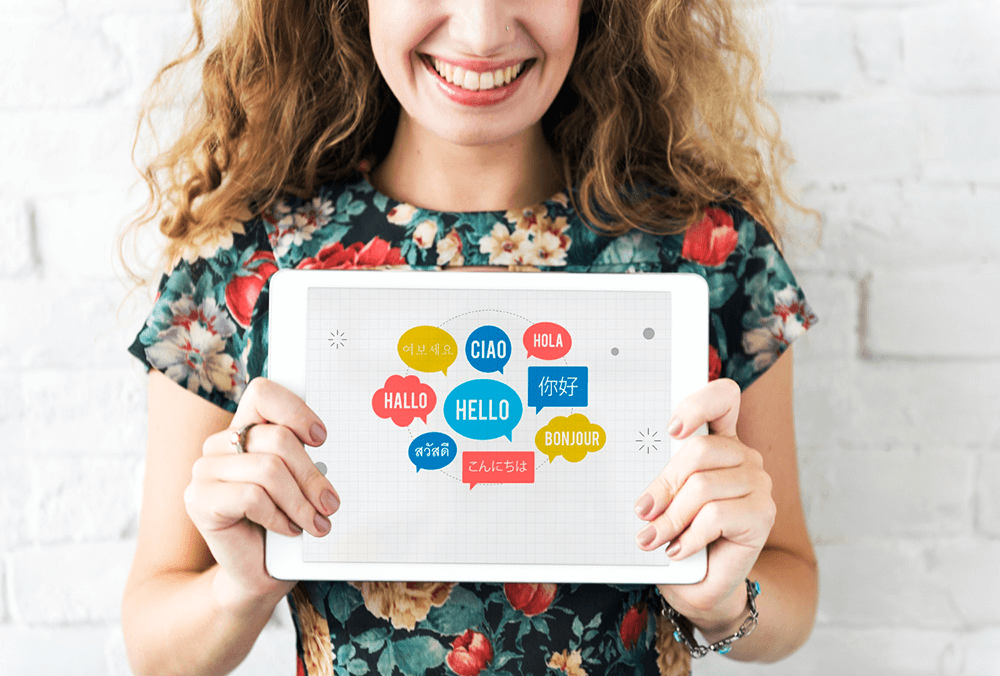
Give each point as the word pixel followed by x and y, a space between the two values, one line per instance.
pixel 233 497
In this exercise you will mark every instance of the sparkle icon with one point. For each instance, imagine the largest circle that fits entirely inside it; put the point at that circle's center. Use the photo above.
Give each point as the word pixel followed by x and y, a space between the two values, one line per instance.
pixel 338 339
pixel 647 440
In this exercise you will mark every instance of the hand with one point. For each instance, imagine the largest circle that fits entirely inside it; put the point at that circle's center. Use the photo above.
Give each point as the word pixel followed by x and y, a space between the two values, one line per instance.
pixel 233 496
pixel 714 492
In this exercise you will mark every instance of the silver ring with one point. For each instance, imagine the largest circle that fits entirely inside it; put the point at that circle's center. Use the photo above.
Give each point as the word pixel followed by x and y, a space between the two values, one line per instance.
pixel 239 438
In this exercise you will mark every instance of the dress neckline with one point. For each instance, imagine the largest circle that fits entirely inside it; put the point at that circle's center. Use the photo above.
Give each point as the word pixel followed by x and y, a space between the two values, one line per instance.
pixel 558 200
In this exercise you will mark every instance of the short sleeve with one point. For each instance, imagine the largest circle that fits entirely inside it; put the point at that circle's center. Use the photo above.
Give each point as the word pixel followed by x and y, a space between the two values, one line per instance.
pixel 756 306
pixel 206 326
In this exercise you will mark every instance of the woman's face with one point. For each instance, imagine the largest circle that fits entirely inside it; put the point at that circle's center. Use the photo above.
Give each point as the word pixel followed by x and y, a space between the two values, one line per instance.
pixel 452 63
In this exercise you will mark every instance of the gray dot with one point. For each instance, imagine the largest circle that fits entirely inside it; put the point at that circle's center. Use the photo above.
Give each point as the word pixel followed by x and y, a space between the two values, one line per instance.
pixel 614 351
pixel 321 467
pixel 648 333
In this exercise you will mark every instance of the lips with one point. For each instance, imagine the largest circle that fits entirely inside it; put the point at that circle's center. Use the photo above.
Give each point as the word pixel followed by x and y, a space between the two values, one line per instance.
pixel 477 97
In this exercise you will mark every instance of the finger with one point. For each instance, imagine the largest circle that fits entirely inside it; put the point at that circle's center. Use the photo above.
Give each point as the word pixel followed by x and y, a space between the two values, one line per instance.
pixel 700 490
pixel 231 502
pixel 282 444
pixel 746 521
pixel 717 404
pixel 264 400
pixel 697 454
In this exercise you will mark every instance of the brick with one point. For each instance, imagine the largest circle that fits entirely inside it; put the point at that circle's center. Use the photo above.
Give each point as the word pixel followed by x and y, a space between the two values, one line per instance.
pixel 17 256
pixel 861 495
pixel 85 7
pixel 951 47
pixel 812 53
pixel 934 312
pixel 14 7
pixel 878 38
pixel 872 585
pixel 875 404
pixel 59 151
pixel 74 650
pixel 987 496
pixel 15 493
pixel 960 138
pixel 92 412
pixel 981 652
pixel 80 499
pixel 74 583
pixel 60 324
pixel 147 41
pixel 850 139
pixel 835 300
pixel 890 651
pixel 57 62
pixel 966 570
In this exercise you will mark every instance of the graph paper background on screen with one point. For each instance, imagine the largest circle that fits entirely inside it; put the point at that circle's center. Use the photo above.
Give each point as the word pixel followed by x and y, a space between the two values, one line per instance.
pixel 605 403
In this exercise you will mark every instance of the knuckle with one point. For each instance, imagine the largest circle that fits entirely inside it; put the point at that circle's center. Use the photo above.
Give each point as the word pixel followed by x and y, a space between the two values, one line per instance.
pixel 254 496
pixel 286 438
pixel 274 468
pixel 699 484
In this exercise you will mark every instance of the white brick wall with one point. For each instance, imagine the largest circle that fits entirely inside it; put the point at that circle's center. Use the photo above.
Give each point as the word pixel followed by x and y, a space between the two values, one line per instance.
pixel 891 108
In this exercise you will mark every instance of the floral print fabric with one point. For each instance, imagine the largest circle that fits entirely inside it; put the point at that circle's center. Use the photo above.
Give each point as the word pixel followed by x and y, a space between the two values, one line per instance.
pixel 208 332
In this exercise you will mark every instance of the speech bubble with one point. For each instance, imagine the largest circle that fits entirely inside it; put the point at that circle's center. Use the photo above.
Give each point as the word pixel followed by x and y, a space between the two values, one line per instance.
pixel 560 386
pixel 428 349
pixel 483 409
pixel 488 349
pixel 498 467
pixel 572 437
pixel 432 450
pixel 403 399
pixel 547 340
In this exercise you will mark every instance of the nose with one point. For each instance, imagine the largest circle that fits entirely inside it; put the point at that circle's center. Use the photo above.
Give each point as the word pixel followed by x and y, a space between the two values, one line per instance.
pixel 481 26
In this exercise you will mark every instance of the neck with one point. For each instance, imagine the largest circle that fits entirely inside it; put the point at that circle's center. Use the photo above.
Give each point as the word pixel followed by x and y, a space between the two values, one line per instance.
pixel 428 172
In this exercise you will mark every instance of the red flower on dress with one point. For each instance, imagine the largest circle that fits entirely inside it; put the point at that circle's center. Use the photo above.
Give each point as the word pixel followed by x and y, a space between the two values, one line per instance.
pixel 335 257
pixel 243 290
pixel 531 598
pixel 470 653
pixel 714 363
pixel 711 240
pixel 633 624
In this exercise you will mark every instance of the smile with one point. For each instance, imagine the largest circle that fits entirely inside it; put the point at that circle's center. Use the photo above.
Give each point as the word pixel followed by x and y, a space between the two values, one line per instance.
pixel 472 80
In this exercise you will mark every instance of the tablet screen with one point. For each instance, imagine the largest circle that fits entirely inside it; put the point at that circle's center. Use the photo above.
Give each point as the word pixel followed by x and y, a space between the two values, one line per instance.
pixel 488 427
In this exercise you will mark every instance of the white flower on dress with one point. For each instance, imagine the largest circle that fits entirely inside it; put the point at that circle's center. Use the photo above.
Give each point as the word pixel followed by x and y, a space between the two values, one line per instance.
pixel 507 248
pixel 401 214
pixel 791 317
pixel 449 249
pixel 292 229
pixel 423 235
pixel 207 244
pixel 549 250
pixel 525 219
pixel 193 349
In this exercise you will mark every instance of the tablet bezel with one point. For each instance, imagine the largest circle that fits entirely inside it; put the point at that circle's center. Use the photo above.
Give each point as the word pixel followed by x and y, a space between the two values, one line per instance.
pixel 689 369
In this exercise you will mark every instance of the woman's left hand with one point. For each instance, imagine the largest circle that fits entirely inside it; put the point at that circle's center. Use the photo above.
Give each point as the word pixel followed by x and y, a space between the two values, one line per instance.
pixel 713 492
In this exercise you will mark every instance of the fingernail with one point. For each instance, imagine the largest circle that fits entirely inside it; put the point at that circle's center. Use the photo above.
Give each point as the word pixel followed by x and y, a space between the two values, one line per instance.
pixel 318 433
pixel 674 427
pixel 330 502
pixel 322 523
pixel 673 548
pixel 646 535
pixel 643 505
pixel 296 529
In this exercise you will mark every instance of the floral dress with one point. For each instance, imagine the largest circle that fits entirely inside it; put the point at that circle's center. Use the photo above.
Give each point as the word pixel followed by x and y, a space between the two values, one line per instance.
pixel 208 332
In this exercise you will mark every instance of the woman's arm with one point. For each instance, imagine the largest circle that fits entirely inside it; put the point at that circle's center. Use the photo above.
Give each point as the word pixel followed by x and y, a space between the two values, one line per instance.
pixel 176 618
pixel 786 567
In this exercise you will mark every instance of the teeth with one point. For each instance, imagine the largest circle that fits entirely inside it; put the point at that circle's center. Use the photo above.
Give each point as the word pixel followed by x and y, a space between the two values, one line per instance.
pixel 473 81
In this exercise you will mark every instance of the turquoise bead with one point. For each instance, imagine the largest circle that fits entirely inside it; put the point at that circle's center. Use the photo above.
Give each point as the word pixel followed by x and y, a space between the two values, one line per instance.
pixel 723 651
pixel 756 587
pixel 677 636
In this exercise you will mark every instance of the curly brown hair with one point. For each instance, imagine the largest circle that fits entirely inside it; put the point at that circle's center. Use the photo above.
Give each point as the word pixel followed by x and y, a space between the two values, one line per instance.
pixel 662 112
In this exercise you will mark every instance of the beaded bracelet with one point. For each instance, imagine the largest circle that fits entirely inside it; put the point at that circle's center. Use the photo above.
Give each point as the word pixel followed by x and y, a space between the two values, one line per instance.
pixel 684 632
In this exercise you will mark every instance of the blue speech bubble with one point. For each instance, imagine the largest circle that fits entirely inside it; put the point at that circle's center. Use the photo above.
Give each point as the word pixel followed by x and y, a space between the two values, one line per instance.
pixel 483 409
pixel 488 349
pixel 432 450
pixel 562 386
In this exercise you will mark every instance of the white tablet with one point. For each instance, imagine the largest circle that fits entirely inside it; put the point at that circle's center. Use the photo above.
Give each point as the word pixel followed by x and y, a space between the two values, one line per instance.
pixel 493 427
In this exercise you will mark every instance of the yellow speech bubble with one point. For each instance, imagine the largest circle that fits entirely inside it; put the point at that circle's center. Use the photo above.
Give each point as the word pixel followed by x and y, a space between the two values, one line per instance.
pixel 572 437
pixel 428 349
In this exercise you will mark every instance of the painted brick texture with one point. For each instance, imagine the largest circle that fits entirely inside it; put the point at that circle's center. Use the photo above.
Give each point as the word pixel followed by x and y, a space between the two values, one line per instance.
pixel 890 107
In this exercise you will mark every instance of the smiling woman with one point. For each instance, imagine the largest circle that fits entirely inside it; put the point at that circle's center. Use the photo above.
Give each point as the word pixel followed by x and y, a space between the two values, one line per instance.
pixel 604 136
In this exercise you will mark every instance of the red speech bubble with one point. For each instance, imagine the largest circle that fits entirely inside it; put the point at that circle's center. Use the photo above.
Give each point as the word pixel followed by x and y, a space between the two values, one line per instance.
pixel 547 340
pixel 403 399
pixel 498 467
